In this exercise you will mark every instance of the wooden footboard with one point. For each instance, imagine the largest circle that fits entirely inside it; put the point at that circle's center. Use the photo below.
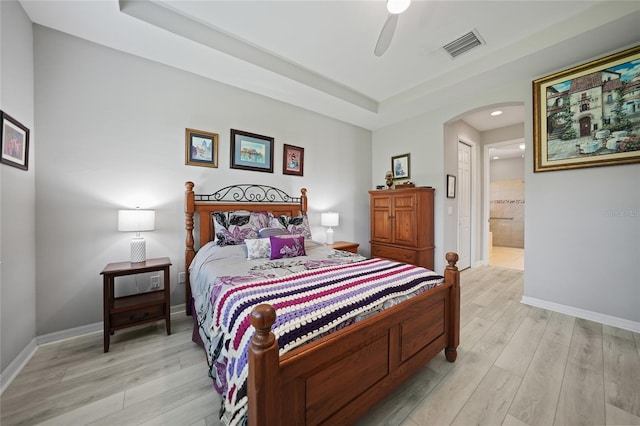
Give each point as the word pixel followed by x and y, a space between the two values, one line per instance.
pixel 337 379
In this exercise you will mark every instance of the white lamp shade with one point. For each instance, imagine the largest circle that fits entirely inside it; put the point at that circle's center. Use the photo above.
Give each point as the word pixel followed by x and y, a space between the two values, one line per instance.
pixel 136 220
pixel 329 219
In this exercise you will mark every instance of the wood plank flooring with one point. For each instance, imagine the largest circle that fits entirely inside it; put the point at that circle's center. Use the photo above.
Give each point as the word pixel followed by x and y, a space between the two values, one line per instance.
pixel 517 365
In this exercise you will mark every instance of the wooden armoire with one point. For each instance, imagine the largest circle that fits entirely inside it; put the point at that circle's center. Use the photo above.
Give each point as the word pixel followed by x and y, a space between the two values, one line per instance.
pixel 402 225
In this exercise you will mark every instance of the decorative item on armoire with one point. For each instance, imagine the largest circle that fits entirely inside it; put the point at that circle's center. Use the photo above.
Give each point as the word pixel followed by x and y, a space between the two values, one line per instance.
pixel 389 179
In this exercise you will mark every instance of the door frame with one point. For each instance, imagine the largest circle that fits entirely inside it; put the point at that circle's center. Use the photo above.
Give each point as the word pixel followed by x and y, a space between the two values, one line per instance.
pixel 486 208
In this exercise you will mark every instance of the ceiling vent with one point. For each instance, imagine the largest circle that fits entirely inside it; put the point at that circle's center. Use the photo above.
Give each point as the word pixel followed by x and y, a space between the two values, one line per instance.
pixel 463 44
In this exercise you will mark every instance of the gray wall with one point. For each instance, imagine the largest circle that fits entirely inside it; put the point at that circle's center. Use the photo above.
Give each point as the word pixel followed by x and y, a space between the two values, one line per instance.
pixel 17 201
pixel 112 129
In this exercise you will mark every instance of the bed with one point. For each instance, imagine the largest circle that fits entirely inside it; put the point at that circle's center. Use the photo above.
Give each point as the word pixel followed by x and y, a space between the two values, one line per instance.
pixel 355 354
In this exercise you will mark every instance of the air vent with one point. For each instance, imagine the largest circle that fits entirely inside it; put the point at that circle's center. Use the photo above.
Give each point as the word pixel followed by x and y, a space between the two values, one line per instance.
pixel 463 44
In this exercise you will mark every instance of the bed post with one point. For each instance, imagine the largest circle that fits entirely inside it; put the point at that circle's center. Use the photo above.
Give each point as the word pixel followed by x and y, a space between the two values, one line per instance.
pixel 303 200
pixel 452 275
pixel 263 369
pixel 189 254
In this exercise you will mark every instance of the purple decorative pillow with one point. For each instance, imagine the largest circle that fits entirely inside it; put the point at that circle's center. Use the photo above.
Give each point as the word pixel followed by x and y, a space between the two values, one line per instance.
pixel 287 246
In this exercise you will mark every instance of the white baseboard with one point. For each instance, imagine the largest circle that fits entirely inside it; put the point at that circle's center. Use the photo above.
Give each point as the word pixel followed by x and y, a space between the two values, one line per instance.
pixel 69 333
pixel 12 370
pixel 178 309
pixel 584 314
pixel 479 263
pixel 17 365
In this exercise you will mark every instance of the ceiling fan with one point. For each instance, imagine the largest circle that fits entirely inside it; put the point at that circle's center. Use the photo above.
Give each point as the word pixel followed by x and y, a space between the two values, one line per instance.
pixel 395 8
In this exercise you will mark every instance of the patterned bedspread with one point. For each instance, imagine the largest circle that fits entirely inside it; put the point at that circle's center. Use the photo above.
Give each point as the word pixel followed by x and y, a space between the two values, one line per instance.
pixel 312 299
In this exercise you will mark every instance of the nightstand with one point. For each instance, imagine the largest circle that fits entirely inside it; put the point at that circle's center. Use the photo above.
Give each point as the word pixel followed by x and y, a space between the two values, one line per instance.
pixel 127 311
pixel 345 246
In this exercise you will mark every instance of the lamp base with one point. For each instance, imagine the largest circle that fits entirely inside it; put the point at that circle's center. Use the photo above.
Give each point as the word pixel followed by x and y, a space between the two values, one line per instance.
pixel 138 250
pixel 329 236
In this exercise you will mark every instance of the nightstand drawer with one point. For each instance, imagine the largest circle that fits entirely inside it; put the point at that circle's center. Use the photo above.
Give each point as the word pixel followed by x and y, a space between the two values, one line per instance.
pixel 137 315
pixel 394 253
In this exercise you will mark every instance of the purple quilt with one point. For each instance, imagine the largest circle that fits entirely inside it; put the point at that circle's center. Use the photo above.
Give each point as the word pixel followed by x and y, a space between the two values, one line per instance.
pixel 308 304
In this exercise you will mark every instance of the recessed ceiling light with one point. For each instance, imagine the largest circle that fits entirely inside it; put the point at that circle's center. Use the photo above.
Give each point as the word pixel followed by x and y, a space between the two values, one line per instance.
pixel 521 146
pixel 495 113
pixel 495 158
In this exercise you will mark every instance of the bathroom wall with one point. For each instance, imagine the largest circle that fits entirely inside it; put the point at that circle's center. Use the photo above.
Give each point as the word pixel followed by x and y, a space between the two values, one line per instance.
pixel 506 208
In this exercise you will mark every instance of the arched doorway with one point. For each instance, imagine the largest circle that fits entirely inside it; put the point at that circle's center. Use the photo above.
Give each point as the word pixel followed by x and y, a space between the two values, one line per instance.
pixel 477 128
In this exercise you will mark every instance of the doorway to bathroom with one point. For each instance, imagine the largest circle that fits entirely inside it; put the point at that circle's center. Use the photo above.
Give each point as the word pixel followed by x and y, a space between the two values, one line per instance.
pixel 506 203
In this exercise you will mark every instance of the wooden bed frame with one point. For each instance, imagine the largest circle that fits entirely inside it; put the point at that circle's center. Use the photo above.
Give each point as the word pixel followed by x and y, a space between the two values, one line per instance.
pixel 338 378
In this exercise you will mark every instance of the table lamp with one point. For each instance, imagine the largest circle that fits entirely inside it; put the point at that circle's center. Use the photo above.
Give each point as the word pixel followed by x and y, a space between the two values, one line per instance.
pixel 329 219
pixel 137 221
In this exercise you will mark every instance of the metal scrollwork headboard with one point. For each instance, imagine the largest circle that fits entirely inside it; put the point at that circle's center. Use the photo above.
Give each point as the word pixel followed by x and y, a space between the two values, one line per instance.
pixel 249 193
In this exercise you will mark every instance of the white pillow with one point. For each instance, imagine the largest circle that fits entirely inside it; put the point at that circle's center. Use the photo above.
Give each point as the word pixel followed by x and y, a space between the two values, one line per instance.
pixel 258 248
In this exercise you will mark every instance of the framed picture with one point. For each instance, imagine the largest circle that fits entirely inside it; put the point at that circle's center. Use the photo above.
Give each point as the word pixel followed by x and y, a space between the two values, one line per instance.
pixel 451 186
pixel 201 148
pixel 14 142
pixel 293 160
pixel 589 115
pixel 401 166
pixel 251 152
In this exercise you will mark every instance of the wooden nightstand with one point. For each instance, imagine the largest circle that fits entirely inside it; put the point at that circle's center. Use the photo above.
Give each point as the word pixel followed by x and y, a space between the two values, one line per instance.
pixel 127 311
pixel 346 246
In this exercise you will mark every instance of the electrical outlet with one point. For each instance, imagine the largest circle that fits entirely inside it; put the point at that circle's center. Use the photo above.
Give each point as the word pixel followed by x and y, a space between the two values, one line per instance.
pixel 181 278
pixel 155 281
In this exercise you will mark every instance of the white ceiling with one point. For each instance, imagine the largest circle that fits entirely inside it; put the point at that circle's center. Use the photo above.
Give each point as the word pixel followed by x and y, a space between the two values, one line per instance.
pixel 319 54
pixel 507 151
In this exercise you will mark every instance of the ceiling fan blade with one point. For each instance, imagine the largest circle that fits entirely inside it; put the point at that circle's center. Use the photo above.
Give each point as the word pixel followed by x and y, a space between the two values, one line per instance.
pixel 386 35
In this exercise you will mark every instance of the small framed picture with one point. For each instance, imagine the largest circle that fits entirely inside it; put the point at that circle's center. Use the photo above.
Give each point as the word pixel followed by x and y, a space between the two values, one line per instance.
pixel 201 148
pixel 293 160
pixel 14 142
pixel 401 166
pixel 251 152
pixel 451 186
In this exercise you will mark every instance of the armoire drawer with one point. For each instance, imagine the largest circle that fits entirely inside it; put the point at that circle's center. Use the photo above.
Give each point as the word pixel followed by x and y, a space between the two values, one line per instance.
pixel 394 253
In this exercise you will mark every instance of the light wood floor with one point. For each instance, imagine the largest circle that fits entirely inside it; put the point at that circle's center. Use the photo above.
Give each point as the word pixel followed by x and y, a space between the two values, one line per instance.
pixel 507 257
pixel 517 365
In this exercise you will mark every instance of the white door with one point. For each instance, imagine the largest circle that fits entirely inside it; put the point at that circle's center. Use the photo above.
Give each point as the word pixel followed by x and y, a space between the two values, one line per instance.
pixel 464 205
